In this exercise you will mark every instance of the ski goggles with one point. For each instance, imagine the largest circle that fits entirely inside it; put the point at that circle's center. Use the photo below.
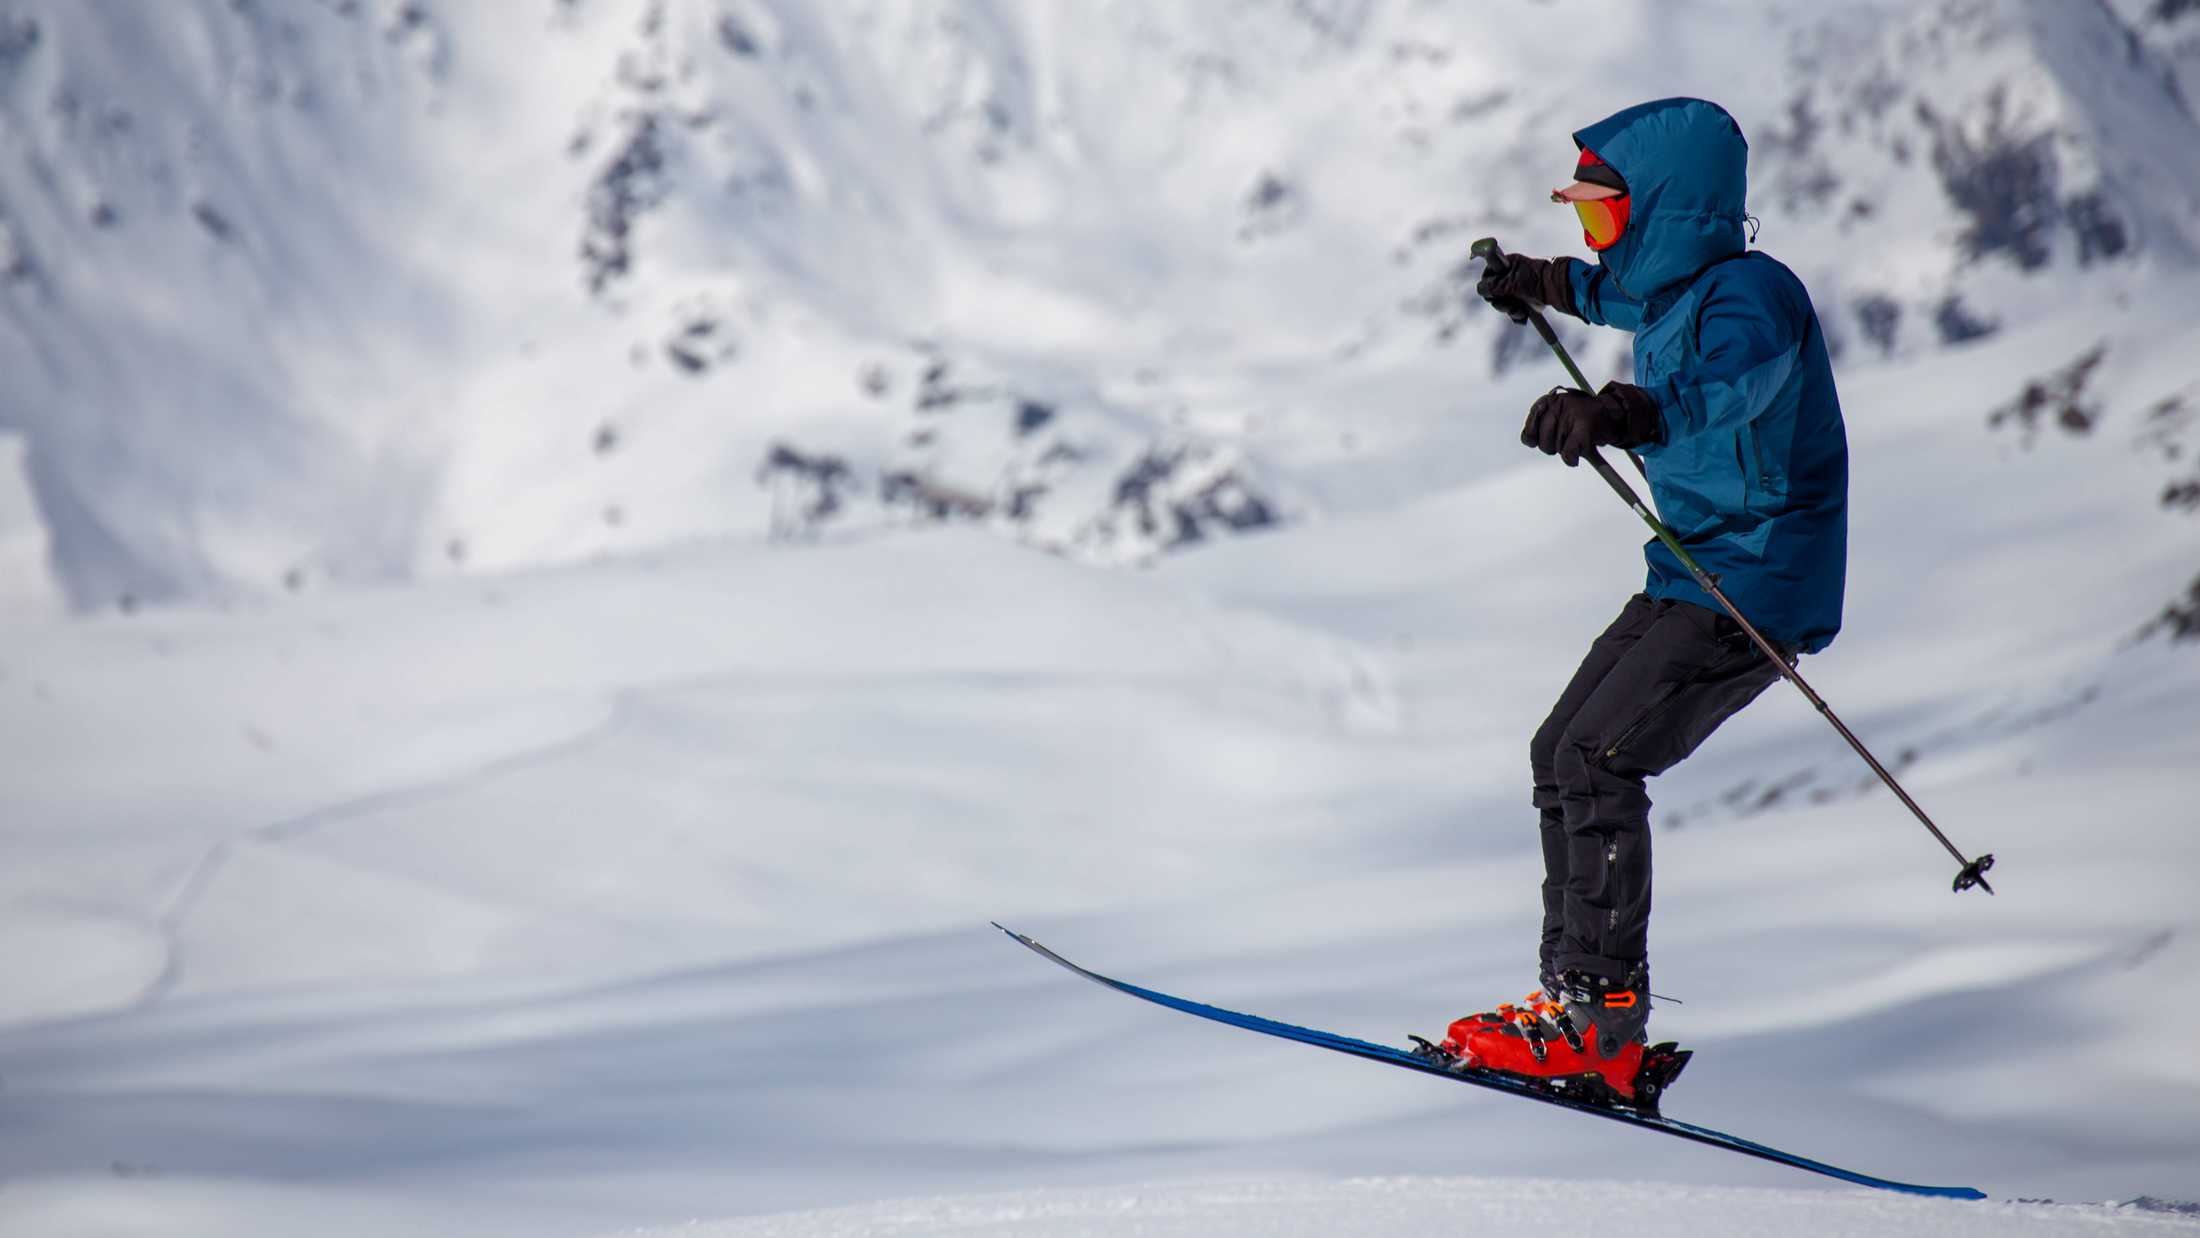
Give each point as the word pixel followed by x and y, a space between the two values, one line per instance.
pixel 1603 220
pixel 1599 197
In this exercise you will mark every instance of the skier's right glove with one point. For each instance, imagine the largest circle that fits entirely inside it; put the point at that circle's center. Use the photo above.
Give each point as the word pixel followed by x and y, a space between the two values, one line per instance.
pixel 1517 285
pixel 1567 423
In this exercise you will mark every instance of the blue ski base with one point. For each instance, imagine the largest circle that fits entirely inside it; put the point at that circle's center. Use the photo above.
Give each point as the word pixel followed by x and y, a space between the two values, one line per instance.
pixel 1495 1082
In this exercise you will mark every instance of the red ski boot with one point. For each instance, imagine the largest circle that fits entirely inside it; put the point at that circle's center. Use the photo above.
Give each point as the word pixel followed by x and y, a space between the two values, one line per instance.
pixel 1538 1041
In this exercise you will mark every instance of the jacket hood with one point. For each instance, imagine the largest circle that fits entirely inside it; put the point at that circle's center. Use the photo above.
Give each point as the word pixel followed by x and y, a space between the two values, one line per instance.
pixel 1687 170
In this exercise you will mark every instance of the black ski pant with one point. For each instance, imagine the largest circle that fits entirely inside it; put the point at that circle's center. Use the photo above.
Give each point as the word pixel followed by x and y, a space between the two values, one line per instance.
pixel 1654 686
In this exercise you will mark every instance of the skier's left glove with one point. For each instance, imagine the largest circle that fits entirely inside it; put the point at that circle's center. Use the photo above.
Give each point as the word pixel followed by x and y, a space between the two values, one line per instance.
pixel 1518 285
pixel 1567 423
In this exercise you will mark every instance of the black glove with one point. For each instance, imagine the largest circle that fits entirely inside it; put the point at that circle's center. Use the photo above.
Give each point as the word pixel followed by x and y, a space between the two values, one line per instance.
pixel 1516 285
pixel 1567 423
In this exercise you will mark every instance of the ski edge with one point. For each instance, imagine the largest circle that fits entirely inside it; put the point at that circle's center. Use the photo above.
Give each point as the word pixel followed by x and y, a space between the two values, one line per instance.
pixel 1400 1057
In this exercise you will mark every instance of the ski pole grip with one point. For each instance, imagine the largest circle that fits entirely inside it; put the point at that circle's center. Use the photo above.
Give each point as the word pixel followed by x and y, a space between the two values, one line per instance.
pixel 1494 259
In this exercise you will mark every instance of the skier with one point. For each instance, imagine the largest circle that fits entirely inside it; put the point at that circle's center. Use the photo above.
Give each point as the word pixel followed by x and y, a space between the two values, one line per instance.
pixel 1734 416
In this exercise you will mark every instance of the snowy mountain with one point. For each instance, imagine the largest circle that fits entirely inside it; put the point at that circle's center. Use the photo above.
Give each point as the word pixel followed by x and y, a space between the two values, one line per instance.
pixel 375 291
pixel 560 559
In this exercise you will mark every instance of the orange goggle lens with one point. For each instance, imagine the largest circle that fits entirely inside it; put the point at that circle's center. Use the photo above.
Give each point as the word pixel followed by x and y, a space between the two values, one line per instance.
pixel 1603 220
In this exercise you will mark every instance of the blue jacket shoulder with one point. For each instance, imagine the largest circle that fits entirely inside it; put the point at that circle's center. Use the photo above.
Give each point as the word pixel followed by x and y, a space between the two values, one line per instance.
pixel 1757 276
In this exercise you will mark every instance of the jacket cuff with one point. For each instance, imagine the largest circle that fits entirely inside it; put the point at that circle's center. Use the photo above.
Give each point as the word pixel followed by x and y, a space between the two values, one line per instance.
pixel 1558 285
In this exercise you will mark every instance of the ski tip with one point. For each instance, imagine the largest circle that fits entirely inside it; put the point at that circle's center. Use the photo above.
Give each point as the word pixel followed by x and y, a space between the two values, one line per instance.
pixel 1965 1193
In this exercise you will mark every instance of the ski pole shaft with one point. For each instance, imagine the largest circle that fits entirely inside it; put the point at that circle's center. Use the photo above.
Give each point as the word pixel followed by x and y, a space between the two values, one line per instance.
pixel 1973 872
pixel 1486 249
pixel 1542 327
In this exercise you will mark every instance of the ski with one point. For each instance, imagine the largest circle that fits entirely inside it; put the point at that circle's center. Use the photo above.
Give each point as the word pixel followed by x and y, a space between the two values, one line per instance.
pixel 1495 1082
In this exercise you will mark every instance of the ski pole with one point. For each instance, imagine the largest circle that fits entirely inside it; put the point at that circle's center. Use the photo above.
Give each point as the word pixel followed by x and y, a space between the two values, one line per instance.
pixel 1973 872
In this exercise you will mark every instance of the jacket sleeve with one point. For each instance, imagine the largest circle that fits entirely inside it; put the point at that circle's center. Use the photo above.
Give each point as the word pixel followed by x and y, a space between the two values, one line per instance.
pixel 1598 300
pixel 1749 337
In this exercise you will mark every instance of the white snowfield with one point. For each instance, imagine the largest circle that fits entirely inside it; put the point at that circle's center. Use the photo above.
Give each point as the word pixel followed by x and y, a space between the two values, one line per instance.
pixel 560 562
pixel 1416 1207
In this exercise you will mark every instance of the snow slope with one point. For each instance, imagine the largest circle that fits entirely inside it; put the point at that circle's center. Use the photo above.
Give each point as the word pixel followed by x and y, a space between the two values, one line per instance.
pixel 529 657
pixel 575 899
pixel 1384 1207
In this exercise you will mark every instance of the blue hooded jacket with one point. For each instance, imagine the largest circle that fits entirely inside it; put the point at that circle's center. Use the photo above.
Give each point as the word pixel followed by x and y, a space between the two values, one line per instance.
pixel 1751 470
